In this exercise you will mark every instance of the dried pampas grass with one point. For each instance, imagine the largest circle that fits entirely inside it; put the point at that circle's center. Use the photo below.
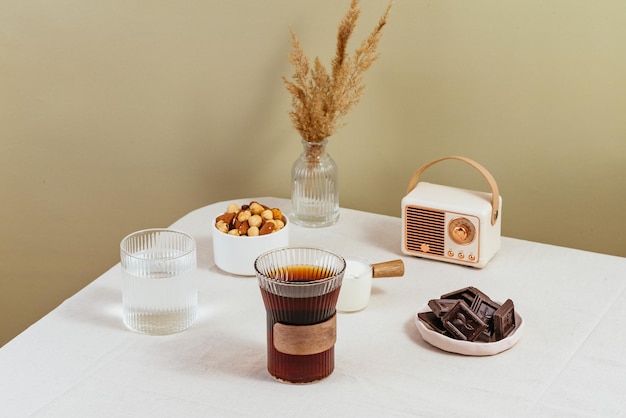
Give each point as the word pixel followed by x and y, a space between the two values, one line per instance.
pixel 321 98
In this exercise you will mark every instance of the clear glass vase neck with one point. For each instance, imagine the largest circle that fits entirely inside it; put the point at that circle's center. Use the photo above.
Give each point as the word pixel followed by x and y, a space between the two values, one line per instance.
pixel 314 149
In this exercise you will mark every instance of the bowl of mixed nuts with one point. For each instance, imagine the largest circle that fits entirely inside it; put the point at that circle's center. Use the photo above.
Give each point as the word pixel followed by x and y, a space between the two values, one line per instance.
pixel 243 232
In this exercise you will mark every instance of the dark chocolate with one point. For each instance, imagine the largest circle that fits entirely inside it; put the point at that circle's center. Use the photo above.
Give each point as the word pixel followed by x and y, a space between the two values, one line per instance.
pixel 441 307
pixel 468 294
pixel 469 314
pixel 463 323
pixel 432 321
pixel 504 320
pixel 485 308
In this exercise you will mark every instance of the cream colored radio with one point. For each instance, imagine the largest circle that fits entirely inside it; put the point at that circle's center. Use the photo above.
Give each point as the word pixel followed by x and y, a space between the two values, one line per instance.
pixel 451 224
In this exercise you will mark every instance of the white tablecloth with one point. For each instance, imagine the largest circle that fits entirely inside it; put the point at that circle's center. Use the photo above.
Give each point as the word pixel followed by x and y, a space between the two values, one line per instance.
pixel 81 361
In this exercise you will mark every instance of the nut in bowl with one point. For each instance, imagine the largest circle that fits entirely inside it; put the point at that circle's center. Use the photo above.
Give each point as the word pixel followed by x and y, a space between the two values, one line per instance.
pixel 245 231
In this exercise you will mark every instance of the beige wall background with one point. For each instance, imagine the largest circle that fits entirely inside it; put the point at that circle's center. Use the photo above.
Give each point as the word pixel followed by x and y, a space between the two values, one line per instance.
pixel 122 115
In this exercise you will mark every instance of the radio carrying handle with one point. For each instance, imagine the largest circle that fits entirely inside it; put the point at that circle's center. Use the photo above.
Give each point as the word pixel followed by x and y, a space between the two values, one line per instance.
pixel 495 195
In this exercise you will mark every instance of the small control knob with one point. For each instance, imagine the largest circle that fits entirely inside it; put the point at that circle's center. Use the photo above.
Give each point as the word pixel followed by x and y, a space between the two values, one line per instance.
pixel 462 231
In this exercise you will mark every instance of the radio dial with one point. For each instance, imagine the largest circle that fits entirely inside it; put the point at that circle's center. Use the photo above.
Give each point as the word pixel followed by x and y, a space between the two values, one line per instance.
pixel 462 231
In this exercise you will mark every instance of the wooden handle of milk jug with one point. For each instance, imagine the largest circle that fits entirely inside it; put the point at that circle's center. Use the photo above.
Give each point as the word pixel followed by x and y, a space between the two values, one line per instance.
pixel 393 268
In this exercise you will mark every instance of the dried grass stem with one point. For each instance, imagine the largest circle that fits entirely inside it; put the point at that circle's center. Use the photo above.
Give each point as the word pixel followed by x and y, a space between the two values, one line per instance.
pixel 320 99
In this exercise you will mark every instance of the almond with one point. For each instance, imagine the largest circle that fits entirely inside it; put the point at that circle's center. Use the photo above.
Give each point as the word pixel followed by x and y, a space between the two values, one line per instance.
pixel 267 228
pixel 226 217
pixel 243 228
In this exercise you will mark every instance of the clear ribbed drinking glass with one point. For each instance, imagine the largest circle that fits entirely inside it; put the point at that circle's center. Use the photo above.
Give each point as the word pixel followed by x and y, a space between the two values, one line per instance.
pixel 314 187
pixel 300 287
pixel 159 289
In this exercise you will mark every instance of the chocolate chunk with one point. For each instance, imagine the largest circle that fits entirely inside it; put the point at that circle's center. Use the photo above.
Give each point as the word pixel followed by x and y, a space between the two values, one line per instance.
pixel 485 308
pixel 432 321
pixel 463 323
pixel 487 336
pixel 468 294
pixel 504 320
pixel 441 307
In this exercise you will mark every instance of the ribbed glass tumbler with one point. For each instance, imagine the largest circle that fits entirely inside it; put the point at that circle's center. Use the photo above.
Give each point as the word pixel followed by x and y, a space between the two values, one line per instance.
pixel 159 289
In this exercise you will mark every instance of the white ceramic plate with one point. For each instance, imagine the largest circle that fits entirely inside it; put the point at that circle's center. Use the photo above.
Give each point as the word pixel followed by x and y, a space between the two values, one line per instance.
pixel 469 348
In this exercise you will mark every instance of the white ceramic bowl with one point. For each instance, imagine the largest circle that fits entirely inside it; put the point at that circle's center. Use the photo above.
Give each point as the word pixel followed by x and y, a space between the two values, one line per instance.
pixel 469 348
pixel 236 255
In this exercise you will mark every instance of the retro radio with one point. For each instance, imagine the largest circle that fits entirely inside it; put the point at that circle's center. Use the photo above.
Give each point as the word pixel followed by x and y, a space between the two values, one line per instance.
pixel 451 224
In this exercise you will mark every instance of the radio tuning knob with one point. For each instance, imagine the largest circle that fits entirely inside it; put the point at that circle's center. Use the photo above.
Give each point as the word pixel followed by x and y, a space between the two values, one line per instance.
pixel 462 231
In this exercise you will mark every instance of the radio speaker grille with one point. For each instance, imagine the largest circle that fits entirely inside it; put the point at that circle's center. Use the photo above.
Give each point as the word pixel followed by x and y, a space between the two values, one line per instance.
pixel 425 230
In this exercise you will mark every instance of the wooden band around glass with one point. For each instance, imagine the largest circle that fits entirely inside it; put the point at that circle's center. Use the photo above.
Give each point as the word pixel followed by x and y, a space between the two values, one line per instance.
pixel 301 340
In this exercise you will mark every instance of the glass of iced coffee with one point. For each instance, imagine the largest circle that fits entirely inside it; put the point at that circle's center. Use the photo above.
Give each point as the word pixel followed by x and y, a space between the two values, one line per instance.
pixel 300 287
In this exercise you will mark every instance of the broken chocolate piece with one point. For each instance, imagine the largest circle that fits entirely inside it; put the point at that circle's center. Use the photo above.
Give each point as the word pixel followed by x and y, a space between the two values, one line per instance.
pixel 463 323
pixel 504 320
pixel 484 308
pixel 432 321
pixel 441 307
pixel 468 294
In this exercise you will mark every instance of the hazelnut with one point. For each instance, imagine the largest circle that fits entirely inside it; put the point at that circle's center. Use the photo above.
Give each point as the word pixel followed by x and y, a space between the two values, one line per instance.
pixel 267 214
pixel 232 208
pixel 243 215
pixel 255 220
pixel 256 208
pixel 222 226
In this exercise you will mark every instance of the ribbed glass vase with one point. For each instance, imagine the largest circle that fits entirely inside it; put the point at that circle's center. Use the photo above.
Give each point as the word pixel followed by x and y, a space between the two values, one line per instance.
pixel 314 187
